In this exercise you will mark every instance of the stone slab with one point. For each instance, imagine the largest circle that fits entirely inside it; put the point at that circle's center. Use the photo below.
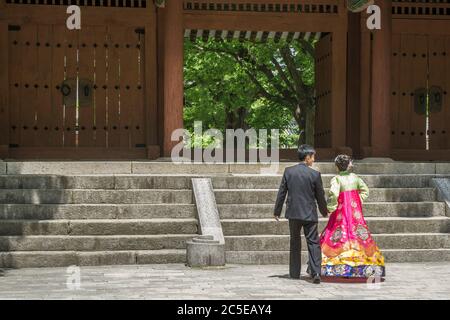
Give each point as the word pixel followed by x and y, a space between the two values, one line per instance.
pixel 65 167
pixel 2 167
pixel 152 167
pixel 443 168
pixel 183 168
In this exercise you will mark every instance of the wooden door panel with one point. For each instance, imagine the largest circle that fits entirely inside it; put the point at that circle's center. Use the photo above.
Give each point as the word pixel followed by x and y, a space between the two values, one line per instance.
pixel 15 87
pixel 409 74
pixel 44 96
pixel 58 75
pixel 419 67
pixel 100 93
pixel 396 94
pixel 71 69
pixel 437 78
pixel 86 76
pixel 28 91
pixel 115 37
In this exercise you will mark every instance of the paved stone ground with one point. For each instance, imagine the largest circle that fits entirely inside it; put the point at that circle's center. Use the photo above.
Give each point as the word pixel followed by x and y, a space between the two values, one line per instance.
pixel 175 282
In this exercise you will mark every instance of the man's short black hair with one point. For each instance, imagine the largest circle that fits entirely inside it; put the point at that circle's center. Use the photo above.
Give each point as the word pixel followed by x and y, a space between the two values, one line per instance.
pixel 305 151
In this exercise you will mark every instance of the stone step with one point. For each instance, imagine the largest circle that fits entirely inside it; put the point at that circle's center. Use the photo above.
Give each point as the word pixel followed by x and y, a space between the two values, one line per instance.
pixel 98 227
pixel 96 211
pixel 282 257
pixel 384 241
pixel 105 182
pixel 121 182
pixel 237 227
pixel 39 259
pixel 43 196
pixel 176 211
pixel 373 181
pixel 36 196
pixel 94 243
pixel 376 195
pixel 155 167
pixel 371 209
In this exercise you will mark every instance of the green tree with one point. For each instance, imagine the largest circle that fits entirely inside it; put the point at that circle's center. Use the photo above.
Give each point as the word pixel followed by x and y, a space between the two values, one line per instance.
pixel 241 84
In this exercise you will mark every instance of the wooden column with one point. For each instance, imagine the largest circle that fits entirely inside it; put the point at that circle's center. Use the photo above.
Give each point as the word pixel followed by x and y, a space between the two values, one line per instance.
pixel 173 71
pixel 339 83
pixel 354 83
pixel 365 86
pixel 381 83
pixel 160 74
pixel 151 80
pixel 4 90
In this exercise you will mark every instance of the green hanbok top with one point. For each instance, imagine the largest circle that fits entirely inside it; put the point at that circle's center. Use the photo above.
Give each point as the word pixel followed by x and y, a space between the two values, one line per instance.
pixel 345 181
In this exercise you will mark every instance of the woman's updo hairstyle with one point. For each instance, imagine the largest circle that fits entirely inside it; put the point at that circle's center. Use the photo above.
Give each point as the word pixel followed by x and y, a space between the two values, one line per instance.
pixel 343 162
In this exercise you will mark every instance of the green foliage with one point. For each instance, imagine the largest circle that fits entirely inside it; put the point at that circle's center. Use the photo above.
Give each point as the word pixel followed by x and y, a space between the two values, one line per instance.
pixel 233 84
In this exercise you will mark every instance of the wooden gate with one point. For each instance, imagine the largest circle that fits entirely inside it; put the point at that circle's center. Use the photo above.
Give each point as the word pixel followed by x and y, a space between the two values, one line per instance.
pixel 420 82
pixel 80 93
pixel 324 69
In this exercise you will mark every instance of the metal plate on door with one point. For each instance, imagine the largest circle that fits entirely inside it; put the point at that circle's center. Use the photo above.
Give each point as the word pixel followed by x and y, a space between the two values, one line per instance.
pixel 85 93
pixel 69 90
pixel 420 101
pixel 436 99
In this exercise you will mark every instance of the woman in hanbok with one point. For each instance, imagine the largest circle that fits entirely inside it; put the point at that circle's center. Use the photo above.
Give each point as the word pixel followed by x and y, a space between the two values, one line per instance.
pixel 348 249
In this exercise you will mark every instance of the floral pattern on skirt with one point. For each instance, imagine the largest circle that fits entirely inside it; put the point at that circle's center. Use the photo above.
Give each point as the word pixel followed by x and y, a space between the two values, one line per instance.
pixel 348 249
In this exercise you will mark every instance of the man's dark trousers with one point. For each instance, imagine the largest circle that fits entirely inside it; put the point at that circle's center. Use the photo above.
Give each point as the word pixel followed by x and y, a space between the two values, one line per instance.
pixel 313 242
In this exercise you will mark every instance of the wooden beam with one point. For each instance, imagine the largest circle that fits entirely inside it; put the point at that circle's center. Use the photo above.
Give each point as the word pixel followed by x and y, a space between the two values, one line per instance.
pixel 381 83
pixel 78 153
pixel 41 14
pixel 4 90
pixel 173 72
pixel 415 26
pixel 288 22
pixel 281 2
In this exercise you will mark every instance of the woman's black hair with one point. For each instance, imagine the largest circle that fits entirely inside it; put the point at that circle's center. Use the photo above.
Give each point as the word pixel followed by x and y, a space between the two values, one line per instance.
pixel 305 151
pixel 343 162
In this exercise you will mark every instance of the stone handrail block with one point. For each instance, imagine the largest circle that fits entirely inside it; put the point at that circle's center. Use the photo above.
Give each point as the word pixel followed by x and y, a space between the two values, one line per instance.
pixel 208 249
pixel 443 191
pixel 208 213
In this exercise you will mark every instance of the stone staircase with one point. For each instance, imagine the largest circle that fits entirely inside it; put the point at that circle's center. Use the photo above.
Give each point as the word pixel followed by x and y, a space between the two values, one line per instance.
pixel 407 221
pixel 61 214
pixel 55 221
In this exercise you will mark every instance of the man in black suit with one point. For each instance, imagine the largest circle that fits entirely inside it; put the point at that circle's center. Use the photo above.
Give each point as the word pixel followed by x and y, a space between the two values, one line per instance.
pixel 303 187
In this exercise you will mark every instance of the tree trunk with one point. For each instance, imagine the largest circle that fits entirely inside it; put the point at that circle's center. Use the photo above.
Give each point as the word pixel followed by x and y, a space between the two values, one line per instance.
pixel 302 125
pixel 310 126
pixel 306 123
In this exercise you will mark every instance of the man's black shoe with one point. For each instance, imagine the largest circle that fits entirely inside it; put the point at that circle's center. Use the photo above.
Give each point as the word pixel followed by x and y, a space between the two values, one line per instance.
pixel 316 279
